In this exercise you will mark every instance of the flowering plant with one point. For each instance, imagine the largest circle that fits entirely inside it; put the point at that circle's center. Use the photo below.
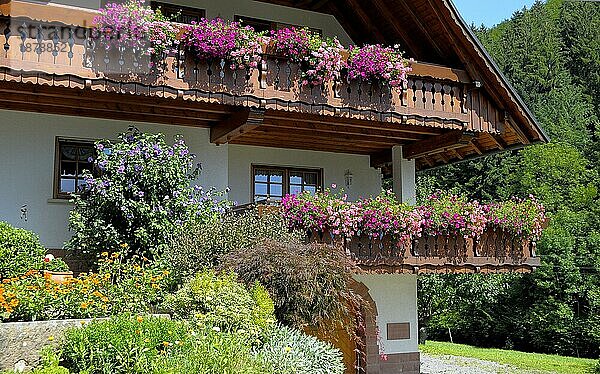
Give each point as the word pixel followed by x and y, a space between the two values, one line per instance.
pixel 374 62
pixel 140 193
pixel 218 39
pixel 320 58
pixel 447 214
pixel 137 26
pixel 520 217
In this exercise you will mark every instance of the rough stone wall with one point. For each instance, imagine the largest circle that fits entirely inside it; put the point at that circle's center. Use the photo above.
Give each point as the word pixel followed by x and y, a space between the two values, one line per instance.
pixel 21 342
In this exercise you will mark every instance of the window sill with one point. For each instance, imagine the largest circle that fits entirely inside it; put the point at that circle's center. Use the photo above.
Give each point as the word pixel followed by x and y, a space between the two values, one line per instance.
pixel 60 201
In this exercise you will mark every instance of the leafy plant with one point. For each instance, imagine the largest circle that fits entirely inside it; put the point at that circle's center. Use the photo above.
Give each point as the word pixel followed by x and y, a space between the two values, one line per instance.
pixel 220 301
pixel 308 283
pixel 288 350
pixel 139 197
pixel 21 251
pixel 218 39
pixel 137 26
pixel 140 344
pixel 202 245
pixel 320 58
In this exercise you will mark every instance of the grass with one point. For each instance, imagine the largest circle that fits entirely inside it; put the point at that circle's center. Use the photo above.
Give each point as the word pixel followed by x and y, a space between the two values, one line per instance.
pixel 521 360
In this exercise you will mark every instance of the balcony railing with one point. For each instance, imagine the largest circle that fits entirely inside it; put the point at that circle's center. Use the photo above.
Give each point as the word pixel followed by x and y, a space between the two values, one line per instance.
pixel 30 49
pixel 494 251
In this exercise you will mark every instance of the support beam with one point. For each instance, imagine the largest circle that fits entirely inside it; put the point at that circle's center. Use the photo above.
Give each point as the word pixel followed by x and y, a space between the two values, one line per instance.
pixel 404 177
pixel 450 140
pixel 235 125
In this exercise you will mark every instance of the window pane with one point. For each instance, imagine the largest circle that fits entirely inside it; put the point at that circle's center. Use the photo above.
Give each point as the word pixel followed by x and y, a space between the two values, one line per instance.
pixel 260 177
pixel 68 152
pixel 80 185
pixel 311 189
pixel 276 177
pixel 276 190
pixel 260 189
pixel 295 178
pixel 68 169
pixel 67 185
pixel 295 190
pixel 310 178
pixel 85 153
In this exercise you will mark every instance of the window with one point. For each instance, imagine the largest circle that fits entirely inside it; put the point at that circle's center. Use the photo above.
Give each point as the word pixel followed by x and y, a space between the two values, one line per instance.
pixel 265 25
pixel 72 158
pixel 178 13
pixel 275 182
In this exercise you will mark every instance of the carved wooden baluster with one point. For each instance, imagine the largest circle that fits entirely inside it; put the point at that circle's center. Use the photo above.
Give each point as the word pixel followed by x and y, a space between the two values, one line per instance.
pixel 55 41
pixel 121 60
pixel 209 72
pixel 71 44
pixel 288 74
pixel 222 71
pixel 7 34
pixel 40 40
pixel 23 36
pixel 277 72
pixel 262 73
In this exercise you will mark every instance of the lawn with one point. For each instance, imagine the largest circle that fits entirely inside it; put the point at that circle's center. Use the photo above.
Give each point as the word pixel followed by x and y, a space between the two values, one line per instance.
pixel 521 360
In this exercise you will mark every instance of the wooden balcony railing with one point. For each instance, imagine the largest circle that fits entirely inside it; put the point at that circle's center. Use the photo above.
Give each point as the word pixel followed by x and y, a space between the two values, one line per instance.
pixel 494 251
pixel 51 53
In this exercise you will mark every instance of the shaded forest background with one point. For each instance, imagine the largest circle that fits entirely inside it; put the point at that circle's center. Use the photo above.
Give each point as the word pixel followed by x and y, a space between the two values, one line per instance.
pixel 551 55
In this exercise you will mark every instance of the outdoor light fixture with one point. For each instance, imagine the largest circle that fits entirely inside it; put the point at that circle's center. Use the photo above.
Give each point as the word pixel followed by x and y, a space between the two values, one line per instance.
pixel 348 177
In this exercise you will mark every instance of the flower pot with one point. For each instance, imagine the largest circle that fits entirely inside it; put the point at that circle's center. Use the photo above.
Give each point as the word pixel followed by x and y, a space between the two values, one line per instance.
pixel 60 277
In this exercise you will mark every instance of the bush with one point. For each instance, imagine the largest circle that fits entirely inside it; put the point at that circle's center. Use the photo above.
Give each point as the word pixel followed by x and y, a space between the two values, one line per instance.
pixel 118 286
pixel 221 301
pixel 21 251
pixel 288 350
pixel 597 367
pixel 308 283
pixel 140 197
pixel 136 345
pixel 203 245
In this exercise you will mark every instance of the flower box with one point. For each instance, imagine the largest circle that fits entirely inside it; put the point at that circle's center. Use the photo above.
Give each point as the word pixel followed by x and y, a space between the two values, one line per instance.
pixel 60 277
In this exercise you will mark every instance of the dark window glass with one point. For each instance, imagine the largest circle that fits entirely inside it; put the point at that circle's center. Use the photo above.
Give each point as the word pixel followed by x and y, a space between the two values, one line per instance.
pixel 275 182
pixel 178 13
pixel 266 25
pixel 72 158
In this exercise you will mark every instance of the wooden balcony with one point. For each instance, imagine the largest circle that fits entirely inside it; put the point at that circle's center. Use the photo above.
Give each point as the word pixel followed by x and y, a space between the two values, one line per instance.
pixel 53 58
pixel 493 252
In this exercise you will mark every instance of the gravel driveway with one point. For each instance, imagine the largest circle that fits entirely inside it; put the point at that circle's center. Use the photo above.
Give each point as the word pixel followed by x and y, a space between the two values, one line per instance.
pixel 465 365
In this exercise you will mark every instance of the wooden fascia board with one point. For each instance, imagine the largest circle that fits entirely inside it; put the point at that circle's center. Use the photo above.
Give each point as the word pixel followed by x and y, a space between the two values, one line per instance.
pixel 436 144
pixel 235 125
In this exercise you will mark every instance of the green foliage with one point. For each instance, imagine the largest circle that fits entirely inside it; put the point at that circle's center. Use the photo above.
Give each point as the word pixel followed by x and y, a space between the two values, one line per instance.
pixel 21 251
pixel 220 301
pixel 288 350
pixel 136 345
pixel 140 196
pixel 202 245
pixel 308 283
pixel 550 53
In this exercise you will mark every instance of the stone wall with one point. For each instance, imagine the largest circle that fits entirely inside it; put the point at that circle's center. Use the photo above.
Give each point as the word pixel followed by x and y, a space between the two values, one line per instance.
pixel 21 342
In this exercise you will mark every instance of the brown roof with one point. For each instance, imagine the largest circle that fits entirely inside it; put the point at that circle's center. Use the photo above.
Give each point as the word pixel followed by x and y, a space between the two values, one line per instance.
pixel 430 31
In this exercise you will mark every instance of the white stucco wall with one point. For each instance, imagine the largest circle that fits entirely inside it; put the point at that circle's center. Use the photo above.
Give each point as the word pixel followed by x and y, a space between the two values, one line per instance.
pixel 27 151
pixel 366 180
pixel 396 298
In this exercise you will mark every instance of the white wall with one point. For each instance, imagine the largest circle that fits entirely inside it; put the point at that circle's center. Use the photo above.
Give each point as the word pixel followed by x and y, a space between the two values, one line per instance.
pixel 366 180
pixel 27 148
pixel 396 298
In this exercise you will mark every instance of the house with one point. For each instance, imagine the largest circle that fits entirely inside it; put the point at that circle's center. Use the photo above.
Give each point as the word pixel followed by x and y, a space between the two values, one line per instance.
pixel 263 134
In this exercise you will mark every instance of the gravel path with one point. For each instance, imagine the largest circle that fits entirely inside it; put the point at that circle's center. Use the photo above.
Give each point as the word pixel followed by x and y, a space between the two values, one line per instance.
pixel 465 365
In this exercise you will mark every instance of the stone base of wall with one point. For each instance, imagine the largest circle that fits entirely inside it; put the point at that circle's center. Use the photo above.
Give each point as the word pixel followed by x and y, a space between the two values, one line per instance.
pixel 400 363
pixel 21 342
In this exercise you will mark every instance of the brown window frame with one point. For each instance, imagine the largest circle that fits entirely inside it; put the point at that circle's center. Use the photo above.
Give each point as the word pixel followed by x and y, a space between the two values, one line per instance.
pixel 286 170
pixel 270 25
pixel 170 10
pixel 60 141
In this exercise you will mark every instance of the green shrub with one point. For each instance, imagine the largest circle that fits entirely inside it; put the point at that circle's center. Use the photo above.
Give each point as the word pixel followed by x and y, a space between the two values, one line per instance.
pixel 597 367
pixel 308 283
pixel 288 350
pixel 202 245
pixel 153 345
pixel 219 300
pixel 142 194
pixel 21 251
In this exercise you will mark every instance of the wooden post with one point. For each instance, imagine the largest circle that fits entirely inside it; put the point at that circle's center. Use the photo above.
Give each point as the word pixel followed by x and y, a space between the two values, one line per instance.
pixel 404 180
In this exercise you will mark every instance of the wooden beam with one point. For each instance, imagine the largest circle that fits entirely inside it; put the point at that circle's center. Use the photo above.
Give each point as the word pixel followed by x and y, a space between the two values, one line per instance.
pixel 235 125
pixel 437 144
pixel 320 128
pixel 381 159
